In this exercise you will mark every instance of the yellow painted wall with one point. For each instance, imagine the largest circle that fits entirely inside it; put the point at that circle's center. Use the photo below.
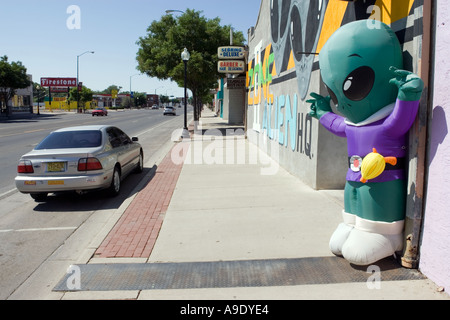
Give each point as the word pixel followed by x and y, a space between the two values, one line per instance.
pixel 63 105
pixel 387 11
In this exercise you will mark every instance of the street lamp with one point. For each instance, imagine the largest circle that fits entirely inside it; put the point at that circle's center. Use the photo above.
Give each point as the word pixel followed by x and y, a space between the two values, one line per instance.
pixel 158 88
pixel 171 11
pixel 157 101
pixel 185 56
pixel 137 74
pixel 78 73
pixel 38 88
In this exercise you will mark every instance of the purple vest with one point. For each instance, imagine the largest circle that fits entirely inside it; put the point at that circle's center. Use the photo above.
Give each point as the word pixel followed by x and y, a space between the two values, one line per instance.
pixel 388 136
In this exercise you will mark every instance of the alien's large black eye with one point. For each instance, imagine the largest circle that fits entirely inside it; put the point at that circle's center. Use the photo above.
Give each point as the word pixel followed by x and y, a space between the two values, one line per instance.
pixel 359 83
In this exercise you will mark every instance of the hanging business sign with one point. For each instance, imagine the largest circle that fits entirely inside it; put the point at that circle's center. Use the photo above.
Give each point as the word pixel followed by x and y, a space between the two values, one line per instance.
pixel 231 52
pixel 231 66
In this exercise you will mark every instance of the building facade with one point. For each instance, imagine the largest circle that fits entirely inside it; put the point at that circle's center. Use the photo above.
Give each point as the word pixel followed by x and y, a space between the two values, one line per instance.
pixel 22 101
pixel 434 245
pixel 283 70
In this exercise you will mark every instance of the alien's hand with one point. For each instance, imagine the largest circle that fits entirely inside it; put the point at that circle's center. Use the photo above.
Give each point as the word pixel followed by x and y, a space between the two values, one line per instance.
pixel 410 86
pixel 319 105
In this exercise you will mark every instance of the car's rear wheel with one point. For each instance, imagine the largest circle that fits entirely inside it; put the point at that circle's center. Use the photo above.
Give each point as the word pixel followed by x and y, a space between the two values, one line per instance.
pixel 39 197
pixel 114 188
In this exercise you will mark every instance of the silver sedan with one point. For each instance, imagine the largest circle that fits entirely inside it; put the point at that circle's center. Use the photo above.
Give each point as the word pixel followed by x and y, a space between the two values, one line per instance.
pixel 79 159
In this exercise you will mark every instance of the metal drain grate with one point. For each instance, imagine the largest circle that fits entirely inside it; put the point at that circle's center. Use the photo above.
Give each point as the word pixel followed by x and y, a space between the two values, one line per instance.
pixel 225 274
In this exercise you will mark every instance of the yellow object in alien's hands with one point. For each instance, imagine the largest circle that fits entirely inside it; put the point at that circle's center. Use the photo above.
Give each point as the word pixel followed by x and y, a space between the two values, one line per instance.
pixel 374 164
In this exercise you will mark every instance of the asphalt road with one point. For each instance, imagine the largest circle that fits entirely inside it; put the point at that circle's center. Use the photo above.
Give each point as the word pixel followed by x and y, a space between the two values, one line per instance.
pixel 29 231
pixel 17 137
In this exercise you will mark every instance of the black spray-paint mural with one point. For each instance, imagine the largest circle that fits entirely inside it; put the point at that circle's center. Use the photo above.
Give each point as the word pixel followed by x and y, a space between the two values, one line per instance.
pixel 295 28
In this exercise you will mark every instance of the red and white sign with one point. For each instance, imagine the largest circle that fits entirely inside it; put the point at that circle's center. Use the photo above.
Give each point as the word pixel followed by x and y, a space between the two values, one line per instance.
pixel 59 82
pixel 231 66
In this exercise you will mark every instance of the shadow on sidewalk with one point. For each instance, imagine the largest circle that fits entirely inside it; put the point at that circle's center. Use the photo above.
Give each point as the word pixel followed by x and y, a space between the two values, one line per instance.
pixel 226 131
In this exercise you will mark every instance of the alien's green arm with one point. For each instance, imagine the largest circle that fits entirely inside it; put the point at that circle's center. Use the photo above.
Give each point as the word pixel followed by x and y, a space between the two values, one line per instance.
pixel 319 105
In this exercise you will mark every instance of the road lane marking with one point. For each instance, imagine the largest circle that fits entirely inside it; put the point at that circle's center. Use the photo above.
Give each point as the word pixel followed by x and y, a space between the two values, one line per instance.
pixel 37 130
pixel 20 133
pixel 8 193
pixel 39 229
pixel 160 125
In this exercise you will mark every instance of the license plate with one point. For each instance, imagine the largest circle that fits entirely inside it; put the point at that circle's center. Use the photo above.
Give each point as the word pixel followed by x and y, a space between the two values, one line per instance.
pixel 56 167
pixel 56 183
pixel 30 183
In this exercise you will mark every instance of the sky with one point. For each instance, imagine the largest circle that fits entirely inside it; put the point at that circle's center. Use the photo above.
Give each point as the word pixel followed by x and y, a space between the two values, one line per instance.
pixel 48 35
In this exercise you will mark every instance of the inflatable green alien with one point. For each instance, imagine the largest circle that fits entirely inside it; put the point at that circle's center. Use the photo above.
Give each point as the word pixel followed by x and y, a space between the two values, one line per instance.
pixel 361 66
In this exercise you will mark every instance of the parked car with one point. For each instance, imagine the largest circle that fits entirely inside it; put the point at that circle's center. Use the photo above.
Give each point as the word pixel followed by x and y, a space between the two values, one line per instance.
pixel 79 159
pixel 170 110
pixel 100 112
pixel 155 106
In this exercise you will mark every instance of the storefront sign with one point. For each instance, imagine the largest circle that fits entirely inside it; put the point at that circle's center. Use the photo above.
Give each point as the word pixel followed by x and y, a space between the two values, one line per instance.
pixel 231 53
pixel 59 82
pixel 231 66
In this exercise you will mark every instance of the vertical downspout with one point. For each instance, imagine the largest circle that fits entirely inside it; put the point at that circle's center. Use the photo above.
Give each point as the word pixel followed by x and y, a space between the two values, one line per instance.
pixel 418 152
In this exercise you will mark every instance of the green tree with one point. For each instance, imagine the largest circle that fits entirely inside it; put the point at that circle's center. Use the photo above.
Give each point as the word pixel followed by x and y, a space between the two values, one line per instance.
pixel 127 103
pixel 86 95
pixel 39 92
pixel 111 88
pixel 159 54
pixel 13 76
pixel 164 99
pixel 140 99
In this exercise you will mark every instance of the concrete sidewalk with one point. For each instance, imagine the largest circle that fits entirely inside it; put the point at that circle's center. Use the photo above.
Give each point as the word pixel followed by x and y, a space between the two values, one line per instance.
pixel 222 211
pixel 219 220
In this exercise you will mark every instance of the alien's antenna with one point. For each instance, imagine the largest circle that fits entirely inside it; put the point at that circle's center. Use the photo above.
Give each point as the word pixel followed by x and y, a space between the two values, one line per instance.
pixel 299 52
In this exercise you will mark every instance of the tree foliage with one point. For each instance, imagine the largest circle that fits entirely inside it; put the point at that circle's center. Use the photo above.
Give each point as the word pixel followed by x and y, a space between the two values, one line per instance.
pixel 110 89
pixel 159 53
pixel 85 95
pixel 13 76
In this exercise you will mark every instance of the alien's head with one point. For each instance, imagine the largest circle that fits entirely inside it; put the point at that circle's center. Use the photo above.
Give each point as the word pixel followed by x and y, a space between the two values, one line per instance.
pixel 354 65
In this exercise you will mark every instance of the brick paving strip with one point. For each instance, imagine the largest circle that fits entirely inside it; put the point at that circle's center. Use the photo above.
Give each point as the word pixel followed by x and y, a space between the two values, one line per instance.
pixel 135 234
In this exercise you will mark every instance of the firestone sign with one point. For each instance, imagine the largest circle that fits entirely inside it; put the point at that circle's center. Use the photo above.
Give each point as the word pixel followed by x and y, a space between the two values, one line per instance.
pixel 59 82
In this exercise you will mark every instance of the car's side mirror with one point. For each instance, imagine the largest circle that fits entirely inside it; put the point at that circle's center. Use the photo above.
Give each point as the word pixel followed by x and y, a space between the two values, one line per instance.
pixel 135 139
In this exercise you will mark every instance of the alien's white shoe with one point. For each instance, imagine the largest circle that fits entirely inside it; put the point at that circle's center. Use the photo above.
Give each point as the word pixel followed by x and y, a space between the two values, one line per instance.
pixel 341 233
pixel 371 241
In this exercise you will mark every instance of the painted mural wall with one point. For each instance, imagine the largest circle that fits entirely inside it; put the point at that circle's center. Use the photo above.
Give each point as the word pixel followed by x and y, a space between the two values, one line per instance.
pixel 283 70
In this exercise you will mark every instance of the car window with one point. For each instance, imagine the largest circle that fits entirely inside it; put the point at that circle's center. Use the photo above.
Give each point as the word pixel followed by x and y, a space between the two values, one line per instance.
pixel 71 139
pixel 114 137
pixel 123 136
